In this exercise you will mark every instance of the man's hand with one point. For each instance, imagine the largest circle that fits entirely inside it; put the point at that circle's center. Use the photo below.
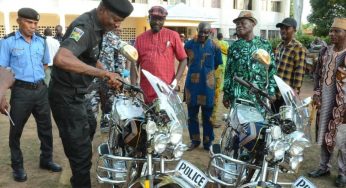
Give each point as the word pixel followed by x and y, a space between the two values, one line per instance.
pixel 113 79
pixel 6 78
pixel 3 105
pixel 173 84
pixel 225 103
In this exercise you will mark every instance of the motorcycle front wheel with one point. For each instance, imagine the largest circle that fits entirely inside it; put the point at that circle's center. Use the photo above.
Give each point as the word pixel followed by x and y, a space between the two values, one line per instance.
pixel 229 143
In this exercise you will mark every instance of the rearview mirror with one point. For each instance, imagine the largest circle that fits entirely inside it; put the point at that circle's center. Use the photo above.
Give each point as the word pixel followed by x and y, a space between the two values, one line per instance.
pixel 262 57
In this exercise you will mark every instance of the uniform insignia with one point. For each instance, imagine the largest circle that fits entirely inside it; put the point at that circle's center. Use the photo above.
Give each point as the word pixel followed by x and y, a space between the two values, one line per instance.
pixel 76 34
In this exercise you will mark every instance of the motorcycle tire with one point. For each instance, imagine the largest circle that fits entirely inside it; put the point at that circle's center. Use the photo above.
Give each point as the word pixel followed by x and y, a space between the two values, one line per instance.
pixel 228 143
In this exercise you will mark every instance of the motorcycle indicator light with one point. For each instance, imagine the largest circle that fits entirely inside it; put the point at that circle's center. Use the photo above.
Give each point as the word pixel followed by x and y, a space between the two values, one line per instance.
pixel 151 127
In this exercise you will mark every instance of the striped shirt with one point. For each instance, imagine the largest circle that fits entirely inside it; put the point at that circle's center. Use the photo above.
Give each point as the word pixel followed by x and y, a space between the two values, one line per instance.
pixel 290 60
pixel 156 54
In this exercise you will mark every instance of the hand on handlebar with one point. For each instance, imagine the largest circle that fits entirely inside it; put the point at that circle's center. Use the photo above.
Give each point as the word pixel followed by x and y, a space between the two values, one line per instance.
pixel 226 103
pixel 113 79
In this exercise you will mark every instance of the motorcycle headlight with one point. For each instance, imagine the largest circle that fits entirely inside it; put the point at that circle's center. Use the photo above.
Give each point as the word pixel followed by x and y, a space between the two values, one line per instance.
pixel 295 162
pixel 179 150
pixel 176 132
pixel 160 143
pixel 298 138
pixel 277 149
pixel 296 150
pixel 151 127
pixel 276 132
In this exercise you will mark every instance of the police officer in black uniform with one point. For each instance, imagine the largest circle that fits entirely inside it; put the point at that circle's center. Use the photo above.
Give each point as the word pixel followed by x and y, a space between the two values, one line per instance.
pixel 73 70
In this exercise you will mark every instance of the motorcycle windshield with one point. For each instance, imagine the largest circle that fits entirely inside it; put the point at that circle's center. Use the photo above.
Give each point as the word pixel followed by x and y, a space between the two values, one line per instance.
pixel 168 99
pixel 300 111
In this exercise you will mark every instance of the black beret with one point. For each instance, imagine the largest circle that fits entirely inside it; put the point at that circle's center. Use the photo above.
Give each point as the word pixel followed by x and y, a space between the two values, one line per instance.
pixel 28 13
pixel 122 8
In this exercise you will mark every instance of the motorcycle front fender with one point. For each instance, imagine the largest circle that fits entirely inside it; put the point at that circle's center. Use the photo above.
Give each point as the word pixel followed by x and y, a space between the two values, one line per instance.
pixel 162 180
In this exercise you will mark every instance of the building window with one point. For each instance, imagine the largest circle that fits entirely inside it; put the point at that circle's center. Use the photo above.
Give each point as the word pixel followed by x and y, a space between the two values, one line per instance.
pixel 276 6
pixel 273 34
pixel 264 5
pixel 2 31
pixel 242 4
pixel 216 4
pixel 128 34
pixel 263 34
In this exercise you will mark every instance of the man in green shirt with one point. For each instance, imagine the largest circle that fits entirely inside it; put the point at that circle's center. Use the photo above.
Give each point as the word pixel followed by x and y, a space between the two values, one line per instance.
pixel 240 62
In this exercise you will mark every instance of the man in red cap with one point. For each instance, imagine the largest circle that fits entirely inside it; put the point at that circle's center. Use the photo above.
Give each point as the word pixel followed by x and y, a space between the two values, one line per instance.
pixel 157 50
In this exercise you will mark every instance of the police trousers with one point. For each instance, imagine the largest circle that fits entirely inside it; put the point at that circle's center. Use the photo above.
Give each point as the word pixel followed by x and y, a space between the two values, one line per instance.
pixel 24 102
pixel 70 114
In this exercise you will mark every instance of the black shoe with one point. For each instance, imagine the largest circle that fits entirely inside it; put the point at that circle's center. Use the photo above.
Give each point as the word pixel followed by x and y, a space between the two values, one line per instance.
pixel 318 173
pixel 51 166
pixel 340 181
pixel 192 146
pixel 19 175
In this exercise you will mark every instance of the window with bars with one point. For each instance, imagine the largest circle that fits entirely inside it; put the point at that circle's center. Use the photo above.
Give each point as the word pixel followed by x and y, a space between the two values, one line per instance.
pixel 272 34
pixel 276 6
pixel 242 4
pixel 40 29
pixel 128 34
pixel 2 31
pixel 263 34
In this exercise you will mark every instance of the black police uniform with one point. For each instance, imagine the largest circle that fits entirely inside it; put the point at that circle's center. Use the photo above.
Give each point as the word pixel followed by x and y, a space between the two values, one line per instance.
pixel 67 90
pixel 66 96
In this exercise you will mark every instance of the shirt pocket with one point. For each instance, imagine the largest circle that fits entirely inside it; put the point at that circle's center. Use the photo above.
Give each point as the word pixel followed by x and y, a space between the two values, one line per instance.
pixel 18 57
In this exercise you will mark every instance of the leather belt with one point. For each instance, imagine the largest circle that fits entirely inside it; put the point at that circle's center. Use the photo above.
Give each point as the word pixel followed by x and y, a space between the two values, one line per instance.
pixel 29 85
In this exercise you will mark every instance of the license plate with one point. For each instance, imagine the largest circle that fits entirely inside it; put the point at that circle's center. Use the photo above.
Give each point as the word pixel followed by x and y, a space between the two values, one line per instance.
pixel 191 174
pixel 303 182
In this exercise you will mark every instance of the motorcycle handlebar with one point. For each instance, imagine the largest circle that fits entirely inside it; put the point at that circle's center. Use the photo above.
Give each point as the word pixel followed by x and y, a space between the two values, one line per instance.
pixel 130 87
pixel 251 87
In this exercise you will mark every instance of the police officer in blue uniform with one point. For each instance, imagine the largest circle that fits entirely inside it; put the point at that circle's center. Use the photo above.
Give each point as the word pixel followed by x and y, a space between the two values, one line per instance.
pixel 74 67
pixel 24 52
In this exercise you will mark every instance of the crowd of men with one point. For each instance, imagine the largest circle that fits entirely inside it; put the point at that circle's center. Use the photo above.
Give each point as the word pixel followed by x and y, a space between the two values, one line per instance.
pixel 81 69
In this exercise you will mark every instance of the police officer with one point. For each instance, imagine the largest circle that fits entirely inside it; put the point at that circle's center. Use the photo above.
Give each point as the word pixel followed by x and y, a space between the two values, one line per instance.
pixel 74 67
pixel 24 52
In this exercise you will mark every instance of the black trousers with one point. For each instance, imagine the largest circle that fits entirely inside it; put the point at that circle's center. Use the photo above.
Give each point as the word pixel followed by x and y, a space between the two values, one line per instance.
pixel 25 102
pixel 70 114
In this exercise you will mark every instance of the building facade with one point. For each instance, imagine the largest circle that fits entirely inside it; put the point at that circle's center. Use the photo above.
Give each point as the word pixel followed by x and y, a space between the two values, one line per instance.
pixel 183 15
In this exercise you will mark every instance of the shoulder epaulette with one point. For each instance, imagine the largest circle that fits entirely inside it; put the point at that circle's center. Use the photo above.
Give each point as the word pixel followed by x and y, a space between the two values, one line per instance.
pixel 9 35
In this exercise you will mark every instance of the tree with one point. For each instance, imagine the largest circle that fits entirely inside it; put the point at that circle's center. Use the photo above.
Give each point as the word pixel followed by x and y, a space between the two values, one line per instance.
pixel 323 13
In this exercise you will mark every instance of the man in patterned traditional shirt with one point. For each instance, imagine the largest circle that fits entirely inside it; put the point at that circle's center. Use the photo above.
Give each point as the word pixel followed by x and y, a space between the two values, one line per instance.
pixel 99 91
pixel 240 62
pixel 157 50
pixel 289 57
pixel 330 98
pixel 204 57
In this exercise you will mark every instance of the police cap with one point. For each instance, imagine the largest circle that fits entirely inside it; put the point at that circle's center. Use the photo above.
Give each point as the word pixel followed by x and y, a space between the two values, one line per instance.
pixel 28 13
pixel 122 8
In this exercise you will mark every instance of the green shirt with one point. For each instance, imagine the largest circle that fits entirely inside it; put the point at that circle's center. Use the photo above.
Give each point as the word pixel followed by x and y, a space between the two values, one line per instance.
pixel 241 64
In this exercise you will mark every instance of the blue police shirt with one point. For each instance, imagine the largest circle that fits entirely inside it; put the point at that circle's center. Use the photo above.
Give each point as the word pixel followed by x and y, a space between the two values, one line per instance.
pixel 25 59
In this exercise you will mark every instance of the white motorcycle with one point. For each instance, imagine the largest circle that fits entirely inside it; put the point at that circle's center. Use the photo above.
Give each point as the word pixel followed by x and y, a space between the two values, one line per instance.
pixel 253 145
pixel 143 137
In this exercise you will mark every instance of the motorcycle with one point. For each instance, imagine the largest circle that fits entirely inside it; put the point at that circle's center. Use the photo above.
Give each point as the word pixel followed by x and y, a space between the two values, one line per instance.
pixel 252 145
pixel 143 137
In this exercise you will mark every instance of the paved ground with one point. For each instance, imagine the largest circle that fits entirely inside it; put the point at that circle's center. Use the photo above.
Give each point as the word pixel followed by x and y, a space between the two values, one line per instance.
pixel 41 178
